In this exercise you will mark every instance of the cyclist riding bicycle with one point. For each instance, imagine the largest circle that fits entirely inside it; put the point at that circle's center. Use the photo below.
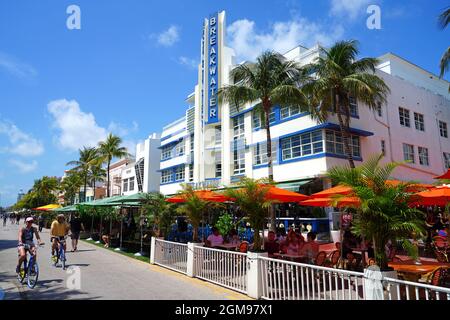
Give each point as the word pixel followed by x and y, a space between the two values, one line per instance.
pixel 26 242
pixel 58 230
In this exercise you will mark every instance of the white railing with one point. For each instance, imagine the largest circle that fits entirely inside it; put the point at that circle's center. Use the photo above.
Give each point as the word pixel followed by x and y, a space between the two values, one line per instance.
pixel 285 280
pixel 396 289
pixel 225 268
pixel 172 255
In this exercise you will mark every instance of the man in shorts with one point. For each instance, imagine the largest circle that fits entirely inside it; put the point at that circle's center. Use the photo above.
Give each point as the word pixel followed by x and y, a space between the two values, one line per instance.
pixel 75 228
pixel 58 230
pixel 26 241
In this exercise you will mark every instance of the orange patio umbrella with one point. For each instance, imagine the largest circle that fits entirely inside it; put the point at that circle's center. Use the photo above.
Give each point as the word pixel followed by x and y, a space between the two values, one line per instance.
pixel 438 196
pixel 206 195
pixel 414 187
pixel 339 189
pixel 282 195
pixel 444 176
pixel 328 202
pixel 48 207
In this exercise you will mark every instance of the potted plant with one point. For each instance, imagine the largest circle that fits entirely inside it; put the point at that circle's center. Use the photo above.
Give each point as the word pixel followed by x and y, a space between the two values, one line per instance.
pixel 384 213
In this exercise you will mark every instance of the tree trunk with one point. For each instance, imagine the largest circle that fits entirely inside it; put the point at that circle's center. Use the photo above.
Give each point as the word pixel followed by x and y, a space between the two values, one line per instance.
pixel 195 232
pixel 267 108
pixel 345 133
pixel 107 183
pixel 94 189
pixel 85 187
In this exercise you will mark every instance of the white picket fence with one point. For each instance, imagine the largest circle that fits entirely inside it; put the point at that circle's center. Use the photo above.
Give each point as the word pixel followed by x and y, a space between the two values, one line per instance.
pixel 261 277
pixel 172 255
pixel 226 268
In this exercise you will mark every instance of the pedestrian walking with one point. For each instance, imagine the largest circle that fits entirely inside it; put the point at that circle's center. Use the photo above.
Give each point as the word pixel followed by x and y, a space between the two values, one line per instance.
pixel 5 217
pixel 76 226
pixel 41 223
pixel 18 219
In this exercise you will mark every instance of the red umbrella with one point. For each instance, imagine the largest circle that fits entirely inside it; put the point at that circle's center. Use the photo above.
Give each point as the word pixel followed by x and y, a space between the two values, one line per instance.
pixel 282 195
pixel 444 176
pixel 340 189
pixel 328 202
pixel 206 195
pixel 438 196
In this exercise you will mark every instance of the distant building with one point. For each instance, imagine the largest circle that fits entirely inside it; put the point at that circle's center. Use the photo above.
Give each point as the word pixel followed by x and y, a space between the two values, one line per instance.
pixel 20 195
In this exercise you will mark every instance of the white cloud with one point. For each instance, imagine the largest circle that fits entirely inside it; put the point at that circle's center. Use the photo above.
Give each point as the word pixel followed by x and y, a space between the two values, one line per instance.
pixel 169 37
pixel 248 43
pixel 15 67
pixel 76 128
pixel 24 167
pixel 190 63
pixel 22 144
pixel 349 8
pixel 121 130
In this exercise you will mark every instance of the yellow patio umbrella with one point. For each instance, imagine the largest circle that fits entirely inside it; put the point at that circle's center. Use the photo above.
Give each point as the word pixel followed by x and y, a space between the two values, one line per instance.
pixel 48 207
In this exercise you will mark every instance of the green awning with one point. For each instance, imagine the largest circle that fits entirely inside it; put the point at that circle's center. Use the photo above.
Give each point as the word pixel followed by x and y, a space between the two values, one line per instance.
pixel 293 186
pixel 133 198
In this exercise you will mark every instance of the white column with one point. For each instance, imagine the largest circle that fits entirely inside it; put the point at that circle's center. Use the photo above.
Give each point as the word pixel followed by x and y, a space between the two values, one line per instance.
pixel 254 276
pixel 190 260
pixel 152 250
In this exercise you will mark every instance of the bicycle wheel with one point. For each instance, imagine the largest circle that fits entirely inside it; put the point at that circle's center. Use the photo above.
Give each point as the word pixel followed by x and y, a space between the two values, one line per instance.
pixel 63 259
pixel 33 274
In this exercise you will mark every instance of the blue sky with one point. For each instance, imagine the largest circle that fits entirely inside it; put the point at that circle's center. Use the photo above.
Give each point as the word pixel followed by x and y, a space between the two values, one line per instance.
pixel 132 64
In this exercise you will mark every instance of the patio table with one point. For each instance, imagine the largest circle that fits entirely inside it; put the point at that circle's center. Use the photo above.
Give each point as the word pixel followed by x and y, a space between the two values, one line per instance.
pixel 290 257
pixel 412 271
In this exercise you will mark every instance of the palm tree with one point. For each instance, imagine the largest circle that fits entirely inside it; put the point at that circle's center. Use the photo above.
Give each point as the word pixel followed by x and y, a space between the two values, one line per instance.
pixel 88 158
pixel 251 199
pixel 340 77
pixel 70 185
pixel 96 173
pixel 194 208
pixel 272 80
pixel 444 20
pixel 384 213
pixel 109 149
pixel 159 212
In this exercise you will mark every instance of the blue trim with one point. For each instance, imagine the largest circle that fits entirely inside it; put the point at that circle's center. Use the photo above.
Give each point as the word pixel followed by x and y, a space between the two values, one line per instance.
pixel 167 183
pixel 242 112
pixel 171 142
pixel 237 177
pixel 166 159
pixel 326 125
pixel 259 166
pixel 212 179
pixel 171 168
pixel 319 155
pixel 273 124
pixel 172 134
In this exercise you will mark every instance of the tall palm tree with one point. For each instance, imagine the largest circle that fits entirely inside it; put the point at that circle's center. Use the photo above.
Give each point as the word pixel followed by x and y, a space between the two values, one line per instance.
pixel 88 158
pixel 71 185
pixel 96 174
pixel 272 80
pixel 109 149
pixel 384 213
pixel 251 199
pixel 339 77
pixel 444 20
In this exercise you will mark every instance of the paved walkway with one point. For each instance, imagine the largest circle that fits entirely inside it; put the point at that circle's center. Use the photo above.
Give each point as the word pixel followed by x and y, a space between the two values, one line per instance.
pixel 104 275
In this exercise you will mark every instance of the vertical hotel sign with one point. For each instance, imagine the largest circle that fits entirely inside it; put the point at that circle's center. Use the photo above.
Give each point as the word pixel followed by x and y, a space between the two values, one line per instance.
pixel 212 69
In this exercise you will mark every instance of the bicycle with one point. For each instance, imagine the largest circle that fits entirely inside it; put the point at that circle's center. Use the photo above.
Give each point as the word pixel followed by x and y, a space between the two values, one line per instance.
pixel 30 270
pixel 61 253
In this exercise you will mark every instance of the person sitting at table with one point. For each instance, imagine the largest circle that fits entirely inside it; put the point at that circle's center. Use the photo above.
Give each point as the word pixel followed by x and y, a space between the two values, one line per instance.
pixel 281 234
pixel 233 238
pixel 311 248
pixel 106 237
pixel 214 239
pixel 292 244
pixel 271 245
pixel 348 242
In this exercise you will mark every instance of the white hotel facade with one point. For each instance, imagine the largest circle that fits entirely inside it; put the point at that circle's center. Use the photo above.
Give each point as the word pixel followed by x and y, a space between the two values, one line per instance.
pixel 214 145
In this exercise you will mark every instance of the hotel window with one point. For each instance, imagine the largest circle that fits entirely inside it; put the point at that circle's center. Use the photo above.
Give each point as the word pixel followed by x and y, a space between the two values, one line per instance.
pixel 418 121
pixel 447 160
pixel 353 107
pixel 238 127
pixel 191 143
pixel 423 156
pixel 239 162
pixel 443 129
pixel 166 152
pixel 408 152
pixel 131 184
pixel 218 134
pixel 179 173
pixel 218 164
pixel 166 176
pixel 379 109
pixel 383 147
pixel 335 143
pixel 125 185
pixel 404 117
pixel 302 145
pixel 287 112
pixel 179 149
pixel 256 120
pixel 260 153
pixel 191 172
